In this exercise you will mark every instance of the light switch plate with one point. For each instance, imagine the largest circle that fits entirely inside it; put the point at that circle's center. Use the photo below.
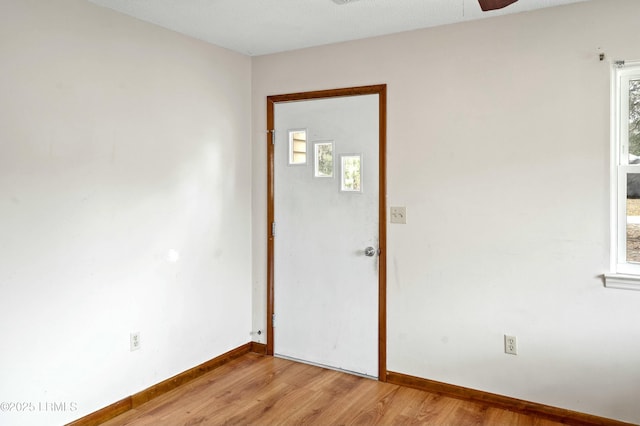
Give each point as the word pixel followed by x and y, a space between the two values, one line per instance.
pixel 398 215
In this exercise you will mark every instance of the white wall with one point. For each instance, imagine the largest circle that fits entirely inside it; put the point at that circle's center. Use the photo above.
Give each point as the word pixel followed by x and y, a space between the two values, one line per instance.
pixel 498 141
pixel 119 142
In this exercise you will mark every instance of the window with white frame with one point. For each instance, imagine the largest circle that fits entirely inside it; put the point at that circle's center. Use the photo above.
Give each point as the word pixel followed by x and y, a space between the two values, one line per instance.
pixel 625 177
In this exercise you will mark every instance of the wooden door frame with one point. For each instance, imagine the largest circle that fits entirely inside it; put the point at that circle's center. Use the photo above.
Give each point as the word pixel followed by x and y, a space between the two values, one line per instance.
pixel 381 91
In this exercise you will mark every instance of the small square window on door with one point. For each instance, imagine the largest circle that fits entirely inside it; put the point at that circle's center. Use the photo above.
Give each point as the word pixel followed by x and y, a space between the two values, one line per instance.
pixel 298 147
pixel 323 159
pixel 351 173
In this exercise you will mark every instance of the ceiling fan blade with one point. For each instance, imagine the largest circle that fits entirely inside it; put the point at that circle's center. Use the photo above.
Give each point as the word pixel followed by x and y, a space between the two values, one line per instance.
pixel 494 4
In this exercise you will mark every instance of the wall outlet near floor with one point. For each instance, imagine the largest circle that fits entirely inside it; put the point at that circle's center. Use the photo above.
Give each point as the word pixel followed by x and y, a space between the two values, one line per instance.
pixel 510 345
pixel 134 341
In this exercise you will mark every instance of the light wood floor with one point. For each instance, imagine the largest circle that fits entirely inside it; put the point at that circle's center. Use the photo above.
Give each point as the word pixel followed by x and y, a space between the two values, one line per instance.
pixel 263 390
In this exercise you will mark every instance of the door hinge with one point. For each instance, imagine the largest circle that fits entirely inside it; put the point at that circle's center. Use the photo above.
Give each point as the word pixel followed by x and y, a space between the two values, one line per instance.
pixel 273 136
pixel 273 320
pixel 273 229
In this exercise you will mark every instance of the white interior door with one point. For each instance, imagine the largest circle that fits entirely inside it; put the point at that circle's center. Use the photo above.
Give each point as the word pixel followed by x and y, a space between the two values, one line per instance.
pixel 325 283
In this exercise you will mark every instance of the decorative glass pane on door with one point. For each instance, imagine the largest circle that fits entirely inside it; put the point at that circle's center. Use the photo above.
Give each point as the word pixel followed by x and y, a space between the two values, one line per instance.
pixel 297 147
pixel 323 159
pixel 350 174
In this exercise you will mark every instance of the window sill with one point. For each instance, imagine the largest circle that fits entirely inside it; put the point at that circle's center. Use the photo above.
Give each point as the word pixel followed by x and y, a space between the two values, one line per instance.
pixel 621 281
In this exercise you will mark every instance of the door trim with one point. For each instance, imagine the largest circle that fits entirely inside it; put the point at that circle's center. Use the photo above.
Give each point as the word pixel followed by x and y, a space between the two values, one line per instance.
pixel 381 91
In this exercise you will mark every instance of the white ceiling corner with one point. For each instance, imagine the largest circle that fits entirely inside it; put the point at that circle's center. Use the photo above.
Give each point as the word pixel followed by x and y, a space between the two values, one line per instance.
pixel 259 27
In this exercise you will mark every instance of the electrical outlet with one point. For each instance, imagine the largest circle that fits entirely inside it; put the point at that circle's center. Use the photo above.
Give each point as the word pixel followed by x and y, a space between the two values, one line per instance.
pixel 134 341
pixel 398 214
pixel 510 345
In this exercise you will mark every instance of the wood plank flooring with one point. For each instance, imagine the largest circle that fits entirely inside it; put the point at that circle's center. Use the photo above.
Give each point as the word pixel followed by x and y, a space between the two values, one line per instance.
pixel 263 390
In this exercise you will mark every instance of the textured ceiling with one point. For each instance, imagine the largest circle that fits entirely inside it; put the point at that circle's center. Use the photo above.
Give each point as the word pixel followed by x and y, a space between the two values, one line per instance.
pixel 259 27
